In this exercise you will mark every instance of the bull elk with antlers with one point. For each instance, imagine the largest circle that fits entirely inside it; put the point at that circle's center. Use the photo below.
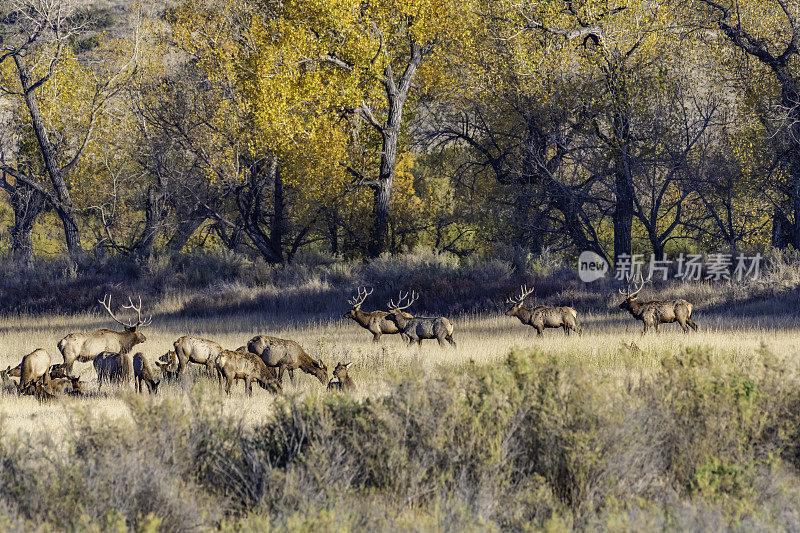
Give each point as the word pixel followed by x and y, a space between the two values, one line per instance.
pixel 543 316
pixel 657 312
pixel 86 346
pixel 376 322
pixel 419 328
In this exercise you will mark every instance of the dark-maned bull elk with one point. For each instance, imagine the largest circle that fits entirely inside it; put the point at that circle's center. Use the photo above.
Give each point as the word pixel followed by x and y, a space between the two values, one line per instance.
pixel 376 322
pixel 543 316
pixel 86 346
pixel 657 312
pixel 285 354
pixel 419 328
pixel 343 381
pixel 242 364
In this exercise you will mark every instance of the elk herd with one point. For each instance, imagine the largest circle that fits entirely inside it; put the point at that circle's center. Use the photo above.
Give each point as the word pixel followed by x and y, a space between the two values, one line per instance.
pixel 264 359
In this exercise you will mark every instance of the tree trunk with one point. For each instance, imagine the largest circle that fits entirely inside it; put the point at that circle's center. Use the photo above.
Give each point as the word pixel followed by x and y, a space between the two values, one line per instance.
pixel 276 232
pixel 396 94
pixel 623 216
pixel 63 207
pixel 790 99
pixel 27 204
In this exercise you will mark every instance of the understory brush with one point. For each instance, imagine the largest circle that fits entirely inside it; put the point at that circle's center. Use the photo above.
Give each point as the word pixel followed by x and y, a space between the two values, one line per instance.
pixel 529 443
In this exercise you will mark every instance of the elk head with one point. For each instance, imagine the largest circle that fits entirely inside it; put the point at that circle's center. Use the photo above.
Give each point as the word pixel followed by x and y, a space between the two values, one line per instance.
pixel 356 302
pixel 396 313
pixel 516 303
pixel 341 370
pixel 130 327
pixel 630 297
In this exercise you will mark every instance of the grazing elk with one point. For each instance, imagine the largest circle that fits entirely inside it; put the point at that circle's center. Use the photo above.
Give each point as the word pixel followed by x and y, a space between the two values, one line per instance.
pixel 242 364
pixel 419 328
pixel 34 367
pixel 168 363
pixel 284 354
pixel 86 346
pixel 343 381
pixel 376 322
pixel 543 316
pixel 113 367
pixel 657 312
pixel 143 372
pixel 195 350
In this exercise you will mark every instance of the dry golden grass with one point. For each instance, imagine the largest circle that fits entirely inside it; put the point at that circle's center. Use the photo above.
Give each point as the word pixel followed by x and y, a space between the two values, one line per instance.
pixel 611 344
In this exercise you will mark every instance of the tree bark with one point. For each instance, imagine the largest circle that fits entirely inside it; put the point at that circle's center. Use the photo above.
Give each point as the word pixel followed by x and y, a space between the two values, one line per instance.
pixel 278 222
pixel 63 207
pixel 27 205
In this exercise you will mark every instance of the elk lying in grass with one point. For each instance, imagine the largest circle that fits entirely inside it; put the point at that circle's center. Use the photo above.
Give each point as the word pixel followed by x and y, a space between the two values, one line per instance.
pixel 196 350
pixel 343 381
pixel 419 328
pixel 113 367
pixel 376 322
pixel 34 367
pixel 543 316
pixel 143 372
pixel 287 355
pixel 53 388
pixel 86 346
pixel 242 364
pixel 657 312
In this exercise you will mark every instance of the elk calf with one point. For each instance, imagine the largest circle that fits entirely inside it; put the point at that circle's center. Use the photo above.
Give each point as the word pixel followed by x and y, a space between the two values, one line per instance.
pixel 246 366
pixel 543 316
pixel 168 363
pixel 50 390
pixel 344 382
pixel 113 367
pixel 143 372
pixel 285 354
pixel 419 328
pixel 657 312
pixel 376 322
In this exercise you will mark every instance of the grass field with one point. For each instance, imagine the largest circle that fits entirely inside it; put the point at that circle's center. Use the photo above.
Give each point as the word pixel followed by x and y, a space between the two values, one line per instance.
pixel 608 430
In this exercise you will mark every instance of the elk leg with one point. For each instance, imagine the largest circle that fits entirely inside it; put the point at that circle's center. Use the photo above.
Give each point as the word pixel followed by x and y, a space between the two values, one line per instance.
pixel 440 340
pixel 228 384
pixel 280 374
pixel 566 330
pixel 291 374
pixel 376 336
pixel 692 323
pixel 451 341
pixel 249 386
pixel 539 331
pixel 138 385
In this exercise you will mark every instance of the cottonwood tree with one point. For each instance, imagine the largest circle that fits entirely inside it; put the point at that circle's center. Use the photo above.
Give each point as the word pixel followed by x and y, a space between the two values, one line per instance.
pixel 40 74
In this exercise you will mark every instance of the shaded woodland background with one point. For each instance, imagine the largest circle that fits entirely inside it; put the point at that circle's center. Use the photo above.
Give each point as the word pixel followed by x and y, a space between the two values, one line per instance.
pixel 138 138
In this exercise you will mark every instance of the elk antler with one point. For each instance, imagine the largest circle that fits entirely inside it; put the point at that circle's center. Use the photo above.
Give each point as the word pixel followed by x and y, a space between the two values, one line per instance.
pixel 627 293
pixel 524 292
pixel 398 306
pixel 106 303
pixel 357 300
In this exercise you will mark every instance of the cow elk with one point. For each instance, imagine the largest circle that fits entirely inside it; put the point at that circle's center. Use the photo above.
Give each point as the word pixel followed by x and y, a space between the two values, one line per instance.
pixel 343 381
pixel 543 316
pixel 168 363
pixel 143 372
pixel 286 355
pixel 376 322
pixel 34 368
pixel 86 346
pixel 196 350
pixel 657 312
pixel 247 366
pixel 419 328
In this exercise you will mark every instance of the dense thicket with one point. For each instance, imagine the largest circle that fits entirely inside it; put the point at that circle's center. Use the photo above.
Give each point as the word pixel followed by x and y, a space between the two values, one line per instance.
pixel 269 127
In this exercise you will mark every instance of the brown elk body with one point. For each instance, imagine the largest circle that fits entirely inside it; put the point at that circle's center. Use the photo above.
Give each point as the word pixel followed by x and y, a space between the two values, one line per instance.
pixel 241 364
pixel 86 346
pixel 168 363
pixel 34 367
pixel 288 355
pixel 112 367
pixel 343 381
pixel 376 322
pixel 196 350
pixel 543 316
pixel 419 328
pixel 143 373
pixel 50 390
pixel 657 312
